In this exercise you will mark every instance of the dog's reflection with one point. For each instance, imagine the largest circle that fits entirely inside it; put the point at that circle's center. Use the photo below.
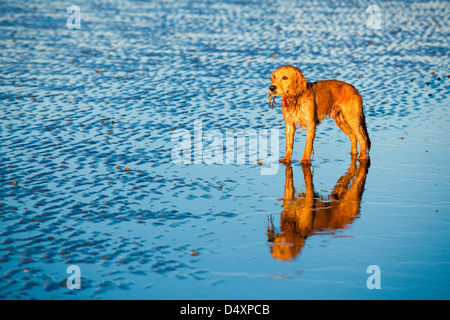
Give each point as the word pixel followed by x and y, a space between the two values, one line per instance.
pixel 309 213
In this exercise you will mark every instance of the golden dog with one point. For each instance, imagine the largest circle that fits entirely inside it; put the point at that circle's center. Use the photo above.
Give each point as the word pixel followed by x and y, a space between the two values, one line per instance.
pixel 306 104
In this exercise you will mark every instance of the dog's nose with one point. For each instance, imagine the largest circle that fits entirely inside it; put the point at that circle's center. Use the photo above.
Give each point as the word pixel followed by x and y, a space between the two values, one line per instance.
pixel 272 88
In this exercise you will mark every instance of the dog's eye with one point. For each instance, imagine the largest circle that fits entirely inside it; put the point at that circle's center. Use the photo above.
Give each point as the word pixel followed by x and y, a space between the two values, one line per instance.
pixel 285 78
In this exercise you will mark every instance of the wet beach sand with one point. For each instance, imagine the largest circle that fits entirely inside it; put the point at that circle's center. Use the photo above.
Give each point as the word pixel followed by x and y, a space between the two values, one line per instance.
pixel 87 171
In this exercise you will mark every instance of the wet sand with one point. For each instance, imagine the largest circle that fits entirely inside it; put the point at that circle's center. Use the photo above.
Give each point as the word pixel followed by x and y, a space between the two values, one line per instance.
pixel 87 118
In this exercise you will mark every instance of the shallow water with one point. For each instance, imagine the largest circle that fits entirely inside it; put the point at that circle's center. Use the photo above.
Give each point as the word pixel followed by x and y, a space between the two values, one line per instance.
pixel 75 104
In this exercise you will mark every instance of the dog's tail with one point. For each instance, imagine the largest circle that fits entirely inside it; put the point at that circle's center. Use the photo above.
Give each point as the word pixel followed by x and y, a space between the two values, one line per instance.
pixel 364 130
pixel 362 122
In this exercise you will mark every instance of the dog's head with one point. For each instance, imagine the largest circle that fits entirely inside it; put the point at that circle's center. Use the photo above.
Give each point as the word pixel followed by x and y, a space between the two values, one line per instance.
pixel 287 81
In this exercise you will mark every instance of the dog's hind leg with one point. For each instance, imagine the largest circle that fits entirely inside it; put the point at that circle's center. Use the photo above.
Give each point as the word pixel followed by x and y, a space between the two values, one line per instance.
pixel 363 137
pixel 342 124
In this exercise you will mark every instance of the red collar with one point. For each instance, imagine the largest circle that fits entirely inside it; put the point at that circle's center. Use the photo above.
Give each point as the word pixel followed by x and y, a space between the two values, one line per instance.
pixel 286 101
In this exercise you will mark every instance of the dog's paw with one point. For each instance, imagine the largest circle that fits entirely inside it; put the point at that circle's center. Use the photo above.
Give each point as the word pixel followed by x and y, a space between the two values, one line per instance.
pixel 363 156
pixel 365 160
pixel 285 161
pixel 306 161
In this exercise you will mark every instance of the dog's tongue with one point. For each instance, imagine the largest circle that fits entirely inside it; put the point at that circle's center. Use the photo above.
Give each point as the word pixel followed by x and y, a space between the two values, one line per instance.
pixel 285 101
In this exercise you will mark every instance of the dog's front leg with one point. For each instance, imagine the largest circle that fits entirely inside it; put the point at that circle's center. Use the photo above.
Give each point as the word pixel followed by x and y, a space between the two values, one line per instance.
pixel 310 134
pixel 290 132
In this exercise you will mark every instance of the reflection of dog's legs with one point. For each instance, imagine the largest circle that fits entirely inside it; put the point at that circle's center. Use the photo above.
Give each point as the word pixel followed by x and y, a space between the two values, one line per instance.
pixel 349 189
pixel 289 184
pixel 360 180
pixel 342 185
pixel 306 214
pixel 309 196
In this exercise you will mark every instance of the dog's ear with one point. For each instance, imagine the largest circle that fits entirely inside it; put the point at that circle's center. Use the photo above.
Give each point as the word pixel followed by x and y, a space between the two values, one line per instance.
pixel 299 84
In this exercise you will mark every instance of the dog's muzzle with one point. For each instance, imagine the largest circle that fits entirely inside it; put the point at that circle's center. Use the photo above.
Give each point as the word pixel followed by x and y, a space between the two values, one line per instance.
pixel 272 88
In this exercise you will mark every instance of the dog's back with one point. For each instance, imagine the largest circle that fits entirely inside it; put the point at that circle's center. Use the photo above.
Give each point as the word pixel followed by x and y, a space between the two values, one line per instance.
pixel 342 102
pixel 333 94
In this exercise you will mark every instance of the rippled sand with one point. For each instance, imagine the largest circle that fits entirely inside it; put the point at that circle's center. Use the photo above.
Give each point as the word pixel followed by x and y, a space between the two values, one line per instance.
pixel 87 176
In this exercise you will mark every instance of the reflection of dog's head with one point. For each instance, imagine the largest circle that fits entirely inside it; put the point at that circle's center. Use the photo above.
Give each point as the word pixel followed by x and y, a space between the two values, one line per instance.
pixel 287 81
pixel 286 245
pixel 283 249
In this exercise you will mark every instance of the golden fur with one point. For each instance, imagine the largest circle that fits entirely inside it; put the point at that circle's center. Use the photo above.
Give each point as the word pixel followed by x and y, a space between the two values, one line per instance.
pixel 306 104
pixel 307 213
